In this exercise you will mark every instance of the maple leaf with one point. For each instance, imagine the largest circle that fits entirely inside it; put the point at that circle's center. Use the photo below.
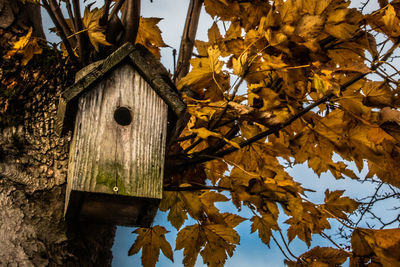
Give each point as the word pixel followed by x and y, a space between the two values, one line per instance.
pixel 325 256
pixel 151 241
pixel 215 169
pixel 177 215
pixel 27 46
pixel 204 70
pixel 149 35
pixel 264 225
pixel 338 205
pixel 95 31
pixel 221 242
pixel 300 229
pixel 213 241
pixel 380 246
pixel 190 239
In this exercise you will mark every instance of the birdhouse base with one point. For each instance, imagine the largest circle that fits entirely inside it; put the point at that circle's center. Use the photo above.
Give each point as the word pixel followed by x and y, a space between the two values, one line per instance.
pixel 111 209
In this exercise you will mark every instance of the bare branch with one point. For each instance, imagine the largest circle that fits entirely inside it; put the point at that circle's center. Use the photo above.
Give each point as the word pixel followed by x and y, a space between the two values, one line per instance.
pixel 55 11
pixel 188 38
pixel 104 19
pixel 63 35
pixel 115 10
pixel 131 19
pixel 70 14
pixel 82 36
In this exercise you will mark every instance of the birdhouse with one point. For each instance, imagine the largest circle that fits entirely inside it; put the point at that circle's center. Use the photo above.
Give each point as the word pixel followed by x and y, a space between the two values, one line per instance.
pixel 118 111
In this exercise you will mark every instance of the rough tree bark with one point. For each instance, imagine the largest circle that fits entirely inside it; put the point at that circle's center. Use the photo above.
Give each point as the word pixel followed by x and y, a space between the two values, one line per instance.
pixel 33 161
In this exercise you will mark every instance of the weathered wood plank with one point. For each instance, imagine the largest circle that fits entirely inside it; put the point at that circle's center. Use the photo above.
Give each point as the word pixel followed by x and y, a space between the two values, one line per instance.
pixel 105 154
pixel 149 67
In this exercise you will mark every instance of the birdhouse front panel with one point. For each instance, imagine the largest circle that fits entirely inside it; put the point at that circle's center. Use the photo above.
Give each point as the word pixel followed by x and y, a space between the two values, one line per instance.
pixel 118 144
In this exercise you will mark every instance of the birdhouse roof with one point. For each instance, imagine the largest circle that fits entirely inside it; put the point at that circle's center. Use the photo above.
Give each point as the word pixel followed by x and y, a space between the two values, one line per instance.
pixel 144 63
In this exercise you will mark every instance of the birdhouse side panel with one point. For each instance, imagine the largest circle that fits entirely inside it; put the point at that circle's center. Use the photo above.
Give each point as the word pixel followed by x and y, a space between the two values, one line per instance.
pixel 119 138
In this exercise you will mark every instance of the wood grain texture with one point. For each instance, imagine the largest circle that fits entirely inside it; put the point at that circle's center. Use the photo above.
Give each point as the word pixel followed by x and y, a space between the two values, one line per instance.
pixel 144 62
pixel 105 154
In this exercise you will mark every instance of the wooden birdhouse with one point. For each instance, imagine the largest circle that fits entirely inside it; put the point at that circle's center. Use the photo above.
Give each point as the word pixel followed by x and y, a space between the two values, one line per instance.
pixel 118 111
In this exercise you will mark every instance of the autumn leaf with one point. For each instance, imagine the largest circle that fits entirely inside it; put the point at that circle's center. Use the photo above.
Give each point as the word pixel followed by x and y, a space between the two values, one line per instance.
pixel 264 225
pixel 213 241
pixel 27 46
pixel 205 133
pixel 190 239
pixel 149 35
pixel 177 214
pixel 151 241
pixel 337 205
pixel 95 31
pixel 204 70
pixel 215 169
pixel 325 256
pixel 380 246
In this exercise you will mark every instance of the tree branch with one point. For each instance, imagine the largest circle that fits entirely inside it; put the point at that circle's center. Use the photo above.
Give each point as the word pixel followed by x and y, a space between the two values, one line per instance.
pixel 63 35
pixel 188 38
pixel 59 17
pixel 82 35
pixel 200 157
pixel 131 20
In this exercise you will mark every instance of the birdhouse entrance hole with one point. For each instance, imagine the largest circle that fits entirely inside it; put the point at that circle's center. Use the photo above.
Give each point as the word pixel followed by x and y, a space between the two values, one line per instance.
pixel 123 116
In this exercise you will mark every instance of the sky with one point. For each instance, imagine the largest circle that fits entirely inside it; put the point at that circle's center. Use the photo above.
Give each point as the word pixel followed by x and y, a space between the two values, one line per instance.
pixel 251 251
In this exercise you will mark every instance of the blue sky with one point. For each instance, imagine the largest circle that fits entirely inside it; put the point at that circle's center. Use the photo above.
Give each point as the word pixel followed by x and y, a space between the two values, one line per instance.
pixel 251 251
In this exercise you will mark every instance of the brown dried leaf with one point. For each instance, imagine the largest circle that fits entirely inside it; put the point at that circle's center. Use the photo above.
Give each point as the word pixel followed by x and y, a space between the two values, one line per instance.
pixel 151 241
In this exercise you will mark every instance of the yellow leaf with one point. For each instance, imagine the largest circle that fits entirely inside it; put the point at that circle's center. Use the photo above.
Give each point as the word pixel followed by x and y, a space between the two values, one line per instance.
pixel 151 241
pixel 341 31
pixel 325 255
pixel 95 31
pixel 381 245
pixel 300 229
pixel 264 225
pixel 315 7
pixel 27 46
pixel 177 214
pixel 309 27
pixel 221 240
pixel 149 35
pixel 205 133
pixel 390 19
pixel 190 239
pixel 203 71
pixel 338 205
pixel 240 65
pixel 215 169
pixel 275 38
pixel 208 199
pixel 232 220
pixel 321 84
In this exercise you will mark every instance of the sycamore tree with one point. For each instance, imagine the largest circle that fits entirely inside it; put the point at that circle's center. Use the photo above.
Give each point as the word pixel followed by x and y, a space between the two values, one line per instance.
pixel 277 83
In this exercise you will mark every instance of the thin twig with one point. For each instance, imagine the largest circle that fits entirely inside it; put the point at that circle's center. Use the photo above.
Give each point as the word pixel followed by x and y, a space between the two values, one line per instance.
pixel 104 19
pixel 333 242
pixel 279 246
pixel 286 245
pixel 61 31
pixel 116 9
pixel 369 204
pixel 82 45
pixel 70 14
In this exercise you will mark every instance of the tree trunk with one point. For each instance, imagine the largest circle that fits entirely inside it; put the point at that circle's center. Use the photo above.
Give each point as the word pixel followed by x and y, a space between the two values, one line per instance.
pixel 33 160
